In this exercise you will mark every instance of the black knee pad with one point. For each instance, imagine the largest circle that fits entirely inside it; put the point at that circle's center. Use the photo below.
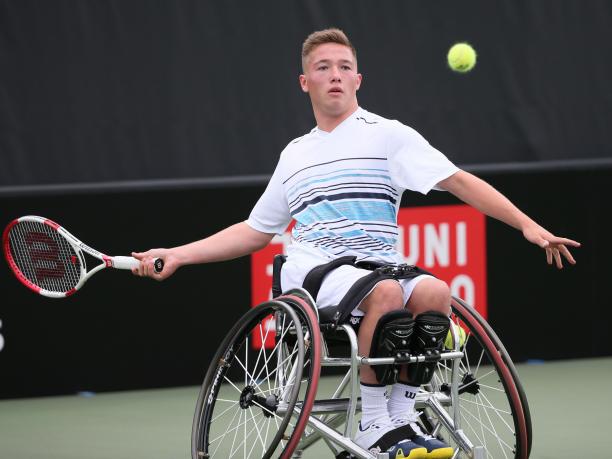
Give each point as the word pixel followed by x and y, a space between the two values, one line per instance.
pixel 392 336
pixel 430 332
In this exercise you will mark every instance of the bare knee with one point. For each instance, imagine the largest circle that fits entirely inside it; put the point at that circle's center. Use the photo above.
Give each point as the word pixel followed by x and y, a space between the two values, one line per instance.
pixel 386 296
pixel 430 295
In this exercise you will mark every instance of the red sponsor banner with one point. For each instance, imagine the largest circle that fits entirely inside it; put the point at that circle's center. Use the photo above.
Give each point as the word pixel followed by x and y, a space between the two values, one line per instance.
pixel 261 284
pixel 448 241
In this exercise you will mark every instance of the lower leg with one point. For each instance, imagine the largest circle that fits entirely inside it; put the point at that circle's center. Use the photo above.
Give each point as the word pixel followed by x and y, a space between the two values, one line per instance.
pixel 376 432
pixel 430 304
pixel 386 296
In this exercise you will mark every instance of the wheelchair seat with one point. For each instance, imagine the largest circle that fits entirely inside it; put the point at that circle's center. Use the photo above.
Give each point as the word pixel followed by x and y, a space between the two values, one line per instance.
pixel 327 315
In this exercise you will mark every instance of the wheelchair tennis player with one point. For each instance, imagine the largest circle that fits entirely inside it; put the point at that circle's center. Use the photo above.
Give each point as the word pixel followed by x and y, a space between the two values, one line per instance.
pixel 342 183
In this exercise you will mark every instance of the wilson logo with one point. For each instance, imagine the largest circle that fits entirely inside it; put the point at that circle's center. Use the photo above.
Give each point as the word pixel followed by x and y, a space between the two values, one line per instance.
pixel 45 255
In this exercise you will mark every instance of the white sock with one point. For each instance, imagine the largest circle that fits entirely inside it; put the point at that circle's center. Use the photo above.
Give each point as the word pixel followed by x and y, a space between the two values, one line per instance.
pixel 402 400
pixel 373 404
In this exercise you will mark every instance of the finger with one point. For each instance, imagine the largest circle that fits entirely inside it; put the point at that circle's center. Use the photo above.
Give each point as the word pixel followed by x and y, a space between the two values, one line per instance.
pixel 558 259
pixel 144 266
pixel 549 256
pixel 138 270
pixel 543 243
pixel 138 255
pixel 564 241
pixel 567 254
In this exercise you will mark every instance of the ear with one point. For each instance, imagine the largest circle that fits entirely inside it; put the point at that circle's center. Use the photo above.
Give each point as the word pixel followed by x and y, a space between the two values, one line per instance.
pixel 303 83
pixel 359 78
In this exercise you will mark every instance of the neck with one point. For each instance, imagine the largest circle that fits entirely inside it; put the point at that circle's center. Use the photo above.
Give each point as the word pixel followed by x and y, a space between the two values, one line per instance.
pixel 328 122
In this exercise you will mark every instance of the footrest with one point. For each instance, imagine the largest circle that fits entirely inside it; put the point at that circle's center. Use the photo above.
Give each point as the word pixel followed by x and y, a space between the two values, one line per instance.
pixel 347 455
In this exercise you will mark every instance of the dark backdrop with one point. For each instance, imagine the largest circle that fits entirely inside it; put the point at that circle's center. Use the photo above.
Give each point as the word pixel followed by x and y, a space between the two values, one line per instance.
pixel 101 90
pixel 120 332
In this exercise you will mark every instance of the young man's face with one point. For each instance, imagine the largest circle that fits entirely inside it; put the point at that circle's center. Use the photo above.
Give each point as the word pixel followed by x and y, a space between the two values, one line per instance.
pixel 331 79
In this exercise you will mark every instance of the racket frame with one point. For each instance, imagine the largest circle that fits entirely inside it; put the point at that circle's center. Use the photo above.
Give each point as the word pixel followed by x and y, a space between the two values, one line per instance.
pixel 78 246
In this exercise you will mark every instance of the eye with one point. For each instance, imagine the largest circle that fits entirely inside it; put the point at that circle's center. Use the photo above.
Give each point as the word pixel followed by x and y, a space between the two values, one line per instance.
pixel 322 67
pixel 346 67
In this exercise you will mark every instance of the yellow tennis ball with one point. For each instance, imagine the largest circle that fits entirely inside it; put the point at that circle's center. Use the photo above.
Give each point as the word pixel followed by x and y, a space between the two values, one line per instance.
pixel 448 342
pixel 461 57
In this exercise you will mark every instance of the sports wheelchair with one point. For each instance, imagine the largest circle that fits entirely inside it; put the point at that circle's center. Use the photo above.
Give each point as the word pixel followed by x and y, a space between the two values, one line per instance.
pixel 263 400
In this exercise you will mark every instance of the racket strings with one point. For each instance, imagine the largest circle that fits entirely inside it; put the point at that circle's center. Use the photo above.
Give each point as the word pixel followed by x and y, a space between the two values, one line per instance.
pixel 44 257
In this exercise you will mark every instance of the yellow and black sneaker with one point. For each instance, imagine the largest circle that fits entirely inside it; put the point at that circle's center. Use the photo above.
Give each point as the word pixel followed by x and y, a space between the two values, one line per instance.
pixel 384 437
pixel 410 429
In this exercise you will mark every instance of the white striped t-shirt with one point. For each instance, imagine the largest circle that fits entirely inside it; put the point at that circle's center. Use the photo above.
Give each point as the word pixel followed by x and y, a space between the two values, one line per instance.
pixel 343 188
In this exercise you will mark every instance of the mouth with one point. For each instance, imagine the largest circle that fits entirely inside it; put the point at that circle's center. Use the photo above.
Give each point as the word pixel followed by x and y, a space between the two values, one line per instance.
pixel 335 91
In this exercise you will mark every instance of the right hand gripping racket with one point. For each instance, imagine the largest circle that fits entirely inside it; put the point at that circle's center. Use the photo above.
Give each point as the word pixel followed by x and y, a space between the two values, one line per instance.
pixel 50 261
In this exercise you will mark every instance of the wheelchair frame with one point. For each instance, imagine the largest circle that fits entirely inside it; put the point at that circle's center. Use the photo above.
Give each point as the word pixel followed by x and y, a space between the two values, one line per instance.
pixel 313 419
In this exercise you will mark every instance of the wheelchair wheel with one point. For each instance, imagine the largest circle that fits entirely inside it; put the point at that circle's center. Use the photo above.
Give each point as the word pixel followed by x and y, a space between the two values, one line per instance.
pixel 493 410
pixel 246 406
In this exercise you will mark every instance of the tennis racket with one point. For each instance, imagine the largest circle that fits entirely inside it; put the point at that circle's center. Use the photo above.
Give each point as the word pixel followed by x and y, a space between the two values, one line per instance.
pixel 50 261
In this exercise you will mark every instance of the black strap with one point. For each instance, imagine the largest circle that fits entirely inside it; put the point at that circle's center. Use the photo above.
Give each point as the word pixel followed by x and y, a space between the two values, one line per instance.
pixel 358 291
pixel 314 279
pixel 390 439
pixel 362 287
pixel 355 294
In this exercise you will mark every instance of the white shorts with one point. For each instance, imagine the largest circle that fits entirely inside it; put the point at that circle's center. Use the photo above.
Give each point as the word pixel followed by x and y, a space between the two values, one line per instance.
pixel 336 283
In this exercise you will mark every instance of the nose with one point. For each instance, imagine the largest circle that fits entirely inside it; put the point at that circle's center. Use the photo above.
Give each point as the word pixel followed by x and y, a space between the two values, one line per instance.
pixel 335 75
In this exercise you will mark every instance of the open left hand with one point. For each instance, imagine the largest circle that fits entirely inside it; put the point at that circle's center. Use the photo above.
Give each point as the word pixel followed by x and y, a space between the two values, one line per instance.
pixel 553 245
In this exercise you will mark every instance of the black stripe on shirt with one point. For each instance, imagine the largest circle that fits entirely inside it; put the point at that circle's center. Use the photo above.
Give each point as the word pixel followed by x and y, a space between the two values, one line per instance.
pixel 340 186
pixel 338 197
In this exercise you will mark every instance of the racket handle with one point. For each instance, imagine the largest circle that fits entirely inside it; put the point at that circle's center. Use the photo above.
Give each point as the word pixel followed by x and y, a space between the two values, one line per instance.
pixel 125 263
pixel 131 263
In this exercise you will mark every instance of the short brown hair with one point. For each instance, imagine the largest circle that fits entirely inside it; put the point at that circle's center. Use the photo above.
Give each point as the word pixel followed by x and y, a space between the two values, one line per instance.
pixel 320 37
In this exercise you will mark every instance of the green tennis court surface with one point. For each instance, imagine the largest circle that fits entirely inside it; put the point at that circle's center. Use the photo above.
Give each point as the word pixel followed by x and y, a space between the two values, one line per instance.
pixel 571 407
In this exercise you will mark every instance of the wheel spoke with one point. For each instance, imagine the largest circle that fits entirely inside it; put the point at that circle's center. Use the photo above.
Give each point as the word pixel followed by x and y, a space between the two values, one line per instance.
pixel 235 428
pixel 266 360
pixel 491 430
pixel 265 365
pixel 223 435
pixel 258 434
pixel 496 411
pixel 469 424
pixel 224 411
pixel 236 432
pixel 499 440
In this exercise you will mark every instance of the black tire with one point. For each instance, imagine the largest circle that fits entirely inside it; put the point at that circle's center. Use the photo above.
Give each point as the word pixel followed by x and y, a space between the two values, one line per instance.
pixel 493 407
pixel 253 391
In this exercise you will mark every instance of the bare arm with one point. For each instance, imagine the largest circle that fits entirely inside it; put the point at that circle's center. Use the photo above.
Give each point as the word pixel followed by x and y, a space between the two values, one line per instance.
pixel 482 196
pixel 232 242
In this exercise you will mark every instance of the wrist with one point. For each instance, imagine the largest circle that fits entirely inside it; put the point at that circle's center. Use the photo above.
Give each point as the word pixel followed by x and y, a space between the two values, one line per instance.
pixel 181 256
pixel 527 224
